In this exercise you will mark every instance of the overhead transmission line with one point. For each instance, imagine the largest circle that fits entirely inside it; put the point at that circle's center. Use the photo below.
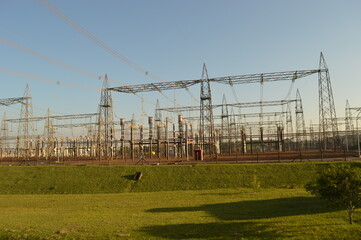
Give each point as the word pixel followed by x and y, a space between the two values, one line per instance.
pixel 23 75
pixel 290 89
pixel 54 10
pixel 57 62
pixel 48 59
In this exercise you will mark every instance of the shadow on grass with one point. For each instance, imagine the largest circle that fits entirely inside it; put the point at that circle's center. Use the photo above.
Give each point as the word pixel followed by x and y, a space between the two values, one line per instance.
pixel 129 177
pixel 213 231
pixel 236 211
pixel 220 194
pixel 259 209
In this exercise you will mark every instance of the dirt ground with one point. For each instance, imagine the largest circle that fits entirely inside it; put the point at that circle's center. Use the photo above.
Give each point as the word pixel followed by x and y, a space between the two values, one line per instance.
pixel 259 157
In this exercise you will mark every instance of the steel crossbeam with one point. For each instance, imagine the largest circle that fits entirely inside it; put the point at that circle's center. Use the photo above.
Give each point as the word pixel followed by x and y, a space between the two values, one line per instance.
pixel 239 105
pixel 11 101
pixel 231 80
pixel 58 117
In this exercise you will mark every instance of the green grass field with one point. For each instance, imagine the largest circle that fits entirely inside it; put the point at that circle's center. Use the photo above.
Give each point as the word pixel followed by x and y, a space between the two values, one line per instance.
pixel 266 209
pixel 196 214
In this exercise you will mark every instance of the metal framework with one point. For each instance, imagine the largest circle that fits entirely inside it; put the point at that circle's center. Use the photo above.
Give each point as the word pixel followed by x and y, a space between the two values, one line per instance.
pixel 239 105
pixel 105 122
pixel 11 101
pixel 348 114
pixel 157 114
pixel 219 125
pixel 26 111
pixel 241 115
pixel 74 125
pixel 206 125
pixel 207 134
pixel 327 112
pixel 300 122
pixel 225 127
pixel 350 140
pixel 231 80
pixel 57 117
pixel 289 125
pixel 25 129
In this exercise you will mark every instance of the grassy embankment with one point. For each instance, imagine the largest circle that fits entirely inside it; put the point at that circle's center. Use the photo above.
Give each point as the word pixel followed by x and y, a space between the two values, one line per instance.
pixel 118 179
pixel 225 203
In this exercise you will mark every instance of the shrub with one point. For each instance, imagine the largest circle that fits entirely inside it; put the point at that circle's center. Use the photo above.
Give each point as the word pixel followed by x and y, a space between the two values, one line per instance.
pixel 341 185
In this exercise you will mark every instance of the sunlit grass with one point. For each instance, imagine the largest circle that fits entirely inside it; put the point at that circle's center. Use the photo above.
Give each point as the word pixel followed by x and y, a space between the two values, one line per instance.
pixel 118 179
pixel 197 214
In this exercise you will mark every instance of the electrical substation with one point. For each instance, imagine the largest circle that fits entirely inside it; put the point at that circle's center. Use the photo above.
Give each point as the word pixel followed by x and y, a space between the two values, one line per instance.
pixel 271 131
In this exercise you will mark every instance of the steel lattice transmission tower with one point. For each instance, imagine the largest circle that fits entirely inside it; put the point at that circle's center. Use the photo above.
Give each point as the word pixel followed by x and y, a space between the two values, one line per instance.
pixel 327 112
pixel 300 122
pixel 225 127
pixel 49 130
pixel 348 114
pixel 105 122
pixel 4 135
pixel 26 127
pixel 157 114
pixel 349 126
pixel 289 125
pixel 207 135
pixel 232 131
pixel 49 133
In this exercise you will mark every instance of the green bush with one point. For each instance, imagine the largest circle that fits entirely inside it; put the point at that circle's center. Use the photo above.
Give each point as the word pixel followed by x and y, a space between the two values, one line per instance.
pixel 341 185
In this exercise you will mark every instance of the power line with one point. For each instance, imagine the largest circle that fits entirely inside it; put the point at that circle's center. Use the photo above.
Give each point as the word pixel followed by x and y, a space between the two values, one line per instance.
pixel 48 59
pixel 55 82
pixel 57 62
pixel 54 61
pixel 53 9
pixel 12 72
pixel 90 36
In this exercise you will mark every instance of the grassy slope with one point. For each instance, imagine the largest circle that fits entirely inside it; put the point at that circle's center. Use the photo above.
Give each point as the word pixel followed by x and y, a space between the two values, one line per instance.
pixel 117 179
pixel 155 208
pixel 196 214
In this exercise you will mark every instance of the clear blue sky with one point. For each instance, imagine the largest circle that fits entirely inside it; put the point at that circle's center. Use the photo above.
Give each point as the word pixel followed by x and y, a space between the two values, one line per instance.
pixel 173 39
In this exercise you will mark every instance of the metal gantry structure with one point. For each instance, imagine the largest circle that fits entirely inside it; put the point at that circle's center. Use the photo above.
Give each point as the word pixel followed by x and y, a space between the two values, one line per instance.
pixel 327 113
pixel 352 133
pixel 217 129
pixel 206 133
pixel 106 129
pixel 300 122
pixel 11 101
pixel 231 80
pixel 23 129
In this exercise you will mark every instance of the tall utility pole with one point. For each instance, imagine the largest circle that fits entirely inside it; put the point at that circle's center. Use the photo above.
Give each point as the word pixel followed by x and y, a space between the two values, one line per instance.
pixel 327 112
pixel 207 135
pixel 26 127
pixel 105 122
